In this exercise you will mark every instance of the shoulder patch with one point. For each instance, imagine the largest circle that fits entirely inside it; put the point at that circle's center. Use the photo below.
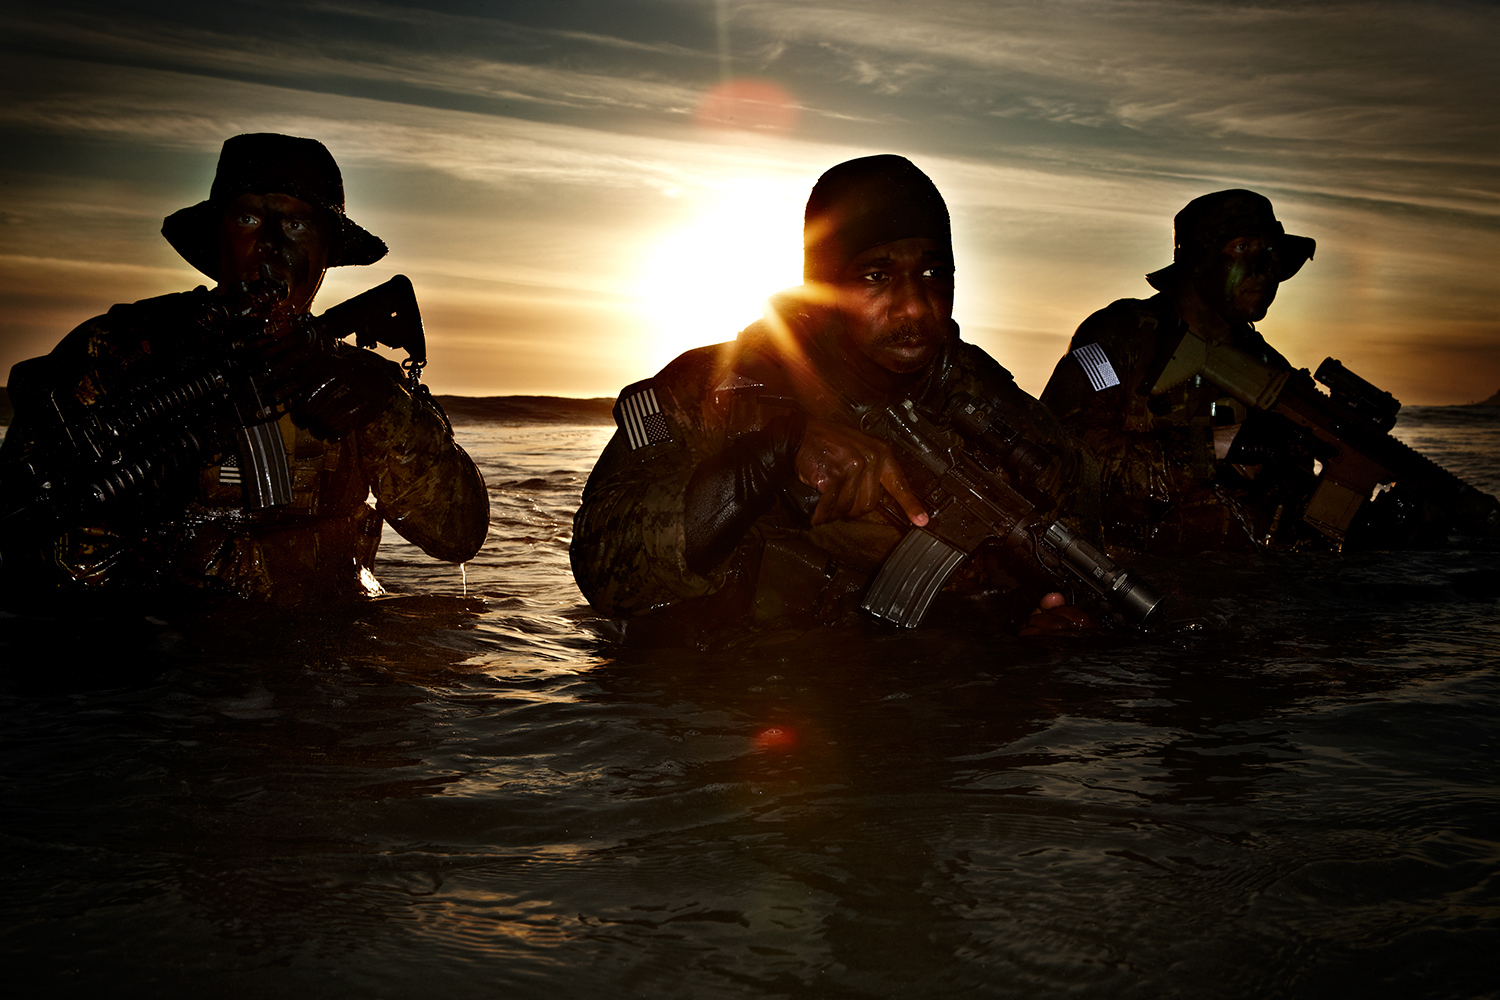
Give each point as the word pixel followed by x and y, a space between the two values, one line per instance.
pixel 638 414
pixel 1095 364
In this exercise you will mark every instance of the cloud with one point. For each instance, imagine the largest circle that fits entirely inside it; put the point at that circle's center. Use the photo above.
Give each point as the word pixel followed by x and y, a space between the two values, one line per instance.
pixel 1224 86
pixel 357 62
pixel 519 163
pixel 1393 80
pixel 167 109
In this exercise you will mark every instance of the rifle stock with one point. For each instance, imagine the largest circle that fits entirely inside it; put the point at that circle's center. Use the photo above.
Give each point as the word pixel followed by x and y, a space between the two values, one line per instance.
pixel 1359 457
pixel 386 314
pixel 970 503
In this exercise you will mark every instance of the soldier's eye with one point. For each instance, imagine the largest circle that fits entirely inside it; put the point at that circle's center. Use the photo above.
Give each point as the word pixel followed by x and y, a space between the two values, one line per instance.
pixel 874 276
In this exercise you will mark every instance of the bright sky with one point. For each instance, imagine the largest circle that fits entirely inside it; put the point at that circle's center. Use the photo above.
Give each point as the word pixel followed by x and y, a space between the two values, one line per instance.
pixel 578 194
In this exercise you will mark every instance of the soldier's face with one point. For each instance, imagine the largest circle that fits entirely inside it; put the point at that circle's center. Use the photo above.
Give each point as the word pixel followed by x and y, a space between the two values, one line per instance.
pixel 1243 285
pixel 278 237
pixel 897 300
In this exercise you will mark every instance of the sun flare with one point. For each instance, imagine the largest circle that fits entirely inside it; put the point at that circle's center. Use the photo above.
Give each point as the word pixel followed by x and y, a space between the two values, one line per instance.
pixel 705 281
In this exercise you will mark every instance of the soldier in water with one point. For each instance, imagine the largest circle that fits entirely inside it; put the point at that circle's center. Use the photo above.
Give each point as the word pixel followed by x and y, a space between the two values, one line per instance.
pixel 350 423
pixel 701 509
pixel 1182 471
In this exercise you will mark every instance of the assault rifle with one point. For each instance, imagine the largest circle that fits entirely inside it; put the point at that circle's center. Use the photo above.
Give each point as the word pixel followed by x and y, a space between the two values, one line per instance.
pixel 1349 428
pixel 975 476
pixel 138 441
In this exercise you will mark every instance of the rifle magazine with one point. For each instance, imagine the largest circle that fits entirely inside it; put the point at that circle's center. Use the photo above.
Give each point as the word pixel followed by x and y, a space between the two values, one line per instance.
pixel 266 476
pixel 911 577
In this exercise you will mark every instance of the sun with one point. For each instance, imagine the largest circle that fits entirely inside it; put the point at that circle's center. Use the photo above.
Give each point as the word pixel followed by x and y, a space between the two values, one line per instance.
pixel 705 281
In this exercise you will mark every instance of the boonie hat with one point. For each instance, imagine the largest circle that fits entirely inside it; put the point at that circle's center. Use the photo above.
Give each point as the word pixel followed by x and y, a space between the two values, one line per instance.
pixel 270 163
pixel 1206 223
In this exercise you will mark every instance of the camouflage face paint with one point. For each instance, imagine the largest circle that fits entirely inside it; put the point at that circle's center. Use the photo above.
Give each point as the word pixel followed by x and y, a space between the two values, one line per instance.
pixel 1244 282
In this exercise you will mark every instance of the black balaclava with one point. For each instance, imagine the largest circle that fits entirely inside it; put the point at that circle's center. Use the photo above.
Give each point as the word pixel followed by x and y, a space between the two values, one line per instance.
pixel 863 203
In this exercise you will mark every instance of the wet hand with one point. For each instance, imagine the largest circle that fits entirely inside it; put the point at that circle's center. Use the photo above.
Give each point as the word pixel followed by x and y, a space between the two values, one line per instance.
pixel 1055 616
pixel 850 470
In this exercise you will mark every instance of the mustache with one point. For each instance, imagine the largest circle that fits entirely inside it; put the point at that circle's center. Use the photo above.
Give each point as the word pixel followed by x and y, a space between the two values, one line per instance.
pixel 911 333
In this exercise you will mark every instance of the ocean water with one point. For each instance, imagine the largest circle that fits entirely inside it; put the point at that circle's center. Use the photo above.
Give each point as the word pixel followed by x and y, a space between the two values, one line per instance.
pixel 474 789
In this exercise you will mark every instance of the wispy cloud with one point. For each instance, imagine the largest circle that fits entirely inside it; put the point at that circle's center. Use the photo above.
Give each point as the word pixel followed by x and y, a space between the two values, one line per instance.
pixel 311 63
pixel 1394 81
pixel 522 158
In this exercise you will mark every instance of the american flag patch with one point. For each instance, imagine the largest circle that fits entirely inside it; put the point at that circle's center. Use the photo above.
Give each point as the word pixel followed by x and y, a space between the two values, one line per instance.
pixel 1096 366
pixel 229 471
pixel 639 415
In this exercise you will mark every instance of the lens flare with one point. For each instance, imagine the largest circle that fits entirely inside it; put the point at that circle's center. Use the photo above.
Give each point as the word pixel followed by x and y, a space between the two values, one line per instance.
pixel 776 738
pixel 747 103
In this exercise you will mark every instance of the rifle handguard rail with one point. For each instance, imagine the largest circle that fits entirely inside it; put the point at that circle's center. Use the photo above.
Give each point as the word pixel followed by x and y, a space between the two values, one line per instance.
pixel 975 503
pixel 125 447
pixel 1352 424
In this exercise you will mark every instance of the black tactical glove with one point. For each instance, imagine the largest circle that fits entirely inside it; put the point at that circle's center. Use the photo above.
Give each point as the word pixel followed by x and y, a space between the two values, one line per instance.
pixel 736 486
pixel 335 393
pixel 328 387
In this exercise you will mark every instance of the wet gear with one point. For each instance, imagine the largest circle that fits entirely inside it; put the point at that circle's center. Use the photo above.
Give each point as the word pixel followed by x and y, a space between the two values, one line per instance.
pixel 1162 488
pixel 648 541
pixel 731 489
pixel 319 546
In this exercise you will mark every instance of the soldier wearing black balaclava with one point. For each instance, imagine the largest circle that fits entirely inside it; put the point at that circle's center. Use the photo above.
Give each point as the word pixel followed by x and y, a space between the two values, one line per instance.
pixel 738 486
pixel 351 427
pixel 1185 470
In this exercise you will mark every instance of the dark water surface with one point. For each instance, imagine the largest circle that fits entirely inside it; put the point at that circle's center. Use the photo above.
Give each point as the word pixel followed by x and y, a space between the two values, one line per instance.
pixel 1290 792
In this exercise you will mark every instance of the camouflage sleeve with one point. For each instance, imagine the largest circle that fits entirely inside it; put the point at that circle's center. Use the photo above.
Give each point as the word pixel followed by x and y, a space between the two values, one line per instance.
pixel 425 485
pixel 1090 393
pixel 629 540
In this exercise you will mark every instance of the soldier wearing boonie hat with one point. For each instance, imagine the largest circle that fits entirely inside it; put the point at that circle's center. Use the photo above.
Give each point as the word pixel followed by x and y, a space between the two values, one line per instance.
pixel 275 215
pixel 270 163
pixel 1201 231
pixel 1177 473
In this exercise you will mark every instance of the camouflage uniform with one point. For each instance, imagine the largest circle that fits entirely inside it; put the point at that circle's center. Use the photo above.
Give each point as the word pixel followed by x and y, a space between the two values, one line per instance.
pixel 629 548
pixel 1161 487
pixel 320 546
